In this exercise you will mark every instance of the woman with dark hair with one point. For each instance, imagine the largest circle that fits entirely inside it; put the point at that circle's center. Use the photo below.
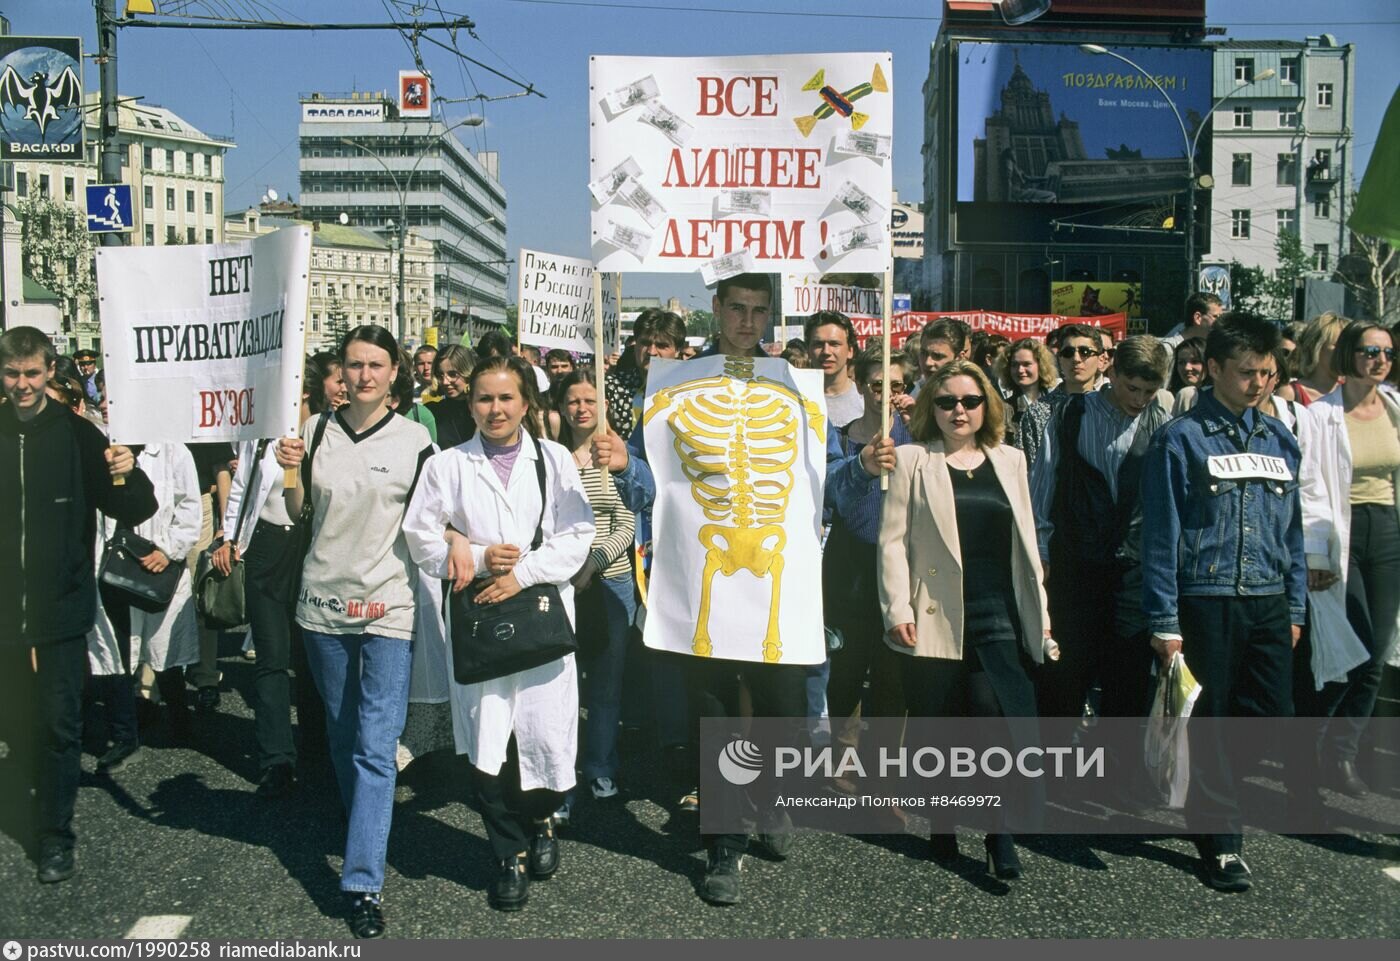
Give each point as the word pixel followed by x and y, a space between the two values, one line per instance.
pixel 327 385
pixel 1357 451
pixel 401 397
pixel 452 411
pixel 477 505
pixel 357 468
pixel 961 581
pixel 1188 366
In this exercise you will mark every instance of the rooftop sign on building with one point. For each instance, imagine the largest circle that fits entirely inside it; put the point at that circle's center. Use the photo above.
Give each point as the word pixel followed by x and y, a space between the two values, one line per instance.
pixel 322 112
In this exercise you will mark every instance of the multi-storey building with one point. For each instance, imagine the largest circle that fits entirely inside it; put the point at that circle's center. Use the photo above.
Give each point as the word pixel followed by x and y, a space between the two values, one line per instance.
pixel 354 276
pixel 360 159
pixel 1282 148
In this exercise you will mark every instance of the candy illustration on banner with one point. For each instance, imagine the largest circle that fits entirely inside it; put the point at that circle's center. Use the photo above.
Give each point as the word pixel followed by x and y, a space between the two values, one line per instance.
pixel 661 117
pixel 860 203
pixel 756 203
pixel 606 186
pixel 834 101
pixel 635 242
pixel 625 98
pixel 640 199
pixel 854 143
pixel 730 265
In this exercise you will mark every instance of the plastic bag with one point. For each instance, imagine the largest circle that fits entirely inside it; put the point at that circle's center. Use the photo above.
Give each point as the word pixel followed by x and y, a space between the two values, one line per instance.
pixel 1166 750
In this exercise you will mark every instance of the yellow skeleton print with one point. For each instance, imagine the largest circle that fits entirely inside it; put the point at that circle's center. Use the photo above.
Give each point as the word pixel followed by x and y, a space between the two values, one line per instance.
pixel 736 437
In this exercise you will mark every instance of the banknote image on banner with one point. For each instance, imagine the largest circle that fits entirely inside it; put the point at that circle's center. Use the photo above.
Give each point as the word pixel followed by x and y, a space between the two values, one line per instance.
pixel 738 449
pixel 205 343
pixel 695 159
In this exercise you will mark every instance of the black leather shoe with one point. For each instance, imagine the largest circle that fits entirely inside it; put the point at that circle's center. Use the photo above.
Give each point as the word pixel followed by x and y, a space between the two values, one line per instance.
pixel 118 756
pixel 206 699
pixel 277 781
pixel 367 917
pixel 1003 862
pixel 56 864
pixel 511 889
pixel 1349 780
pixel 943 849
pixel 1227 872
pixel 544 851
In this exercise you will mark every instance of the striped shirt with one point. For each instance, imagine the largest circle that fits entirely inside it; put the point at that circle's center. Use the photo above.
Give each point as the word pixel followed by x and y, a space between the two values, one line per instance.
pixel 615 524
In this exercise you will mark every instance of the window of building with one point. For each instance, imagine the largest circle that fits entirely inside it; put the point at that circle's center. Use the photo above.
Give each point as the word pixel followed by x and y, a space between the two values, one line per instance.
pixel 208 236
pixel 1244 117
pixel 189 201
pixel 315 323
pixel 1320 256
pixel 1288 117
pixel 1324 96
pixel 150 235
pixel 170 233
pixel 1288 70
pixel 140 120
pixel 175 127
pixel 67 188
pixel 44 185
pixel 22 184
pixel 1286 221
pixel 1322 207
pixel 1244 70
pixel 189 235
pixel 316 289
pixel 1287 170
pixel 1240 170
pixel 208 202
pixel 1239 224
pixel 148 197
pixel 147 158
pixel 157 124
pixel 1322 164
pixel 169 198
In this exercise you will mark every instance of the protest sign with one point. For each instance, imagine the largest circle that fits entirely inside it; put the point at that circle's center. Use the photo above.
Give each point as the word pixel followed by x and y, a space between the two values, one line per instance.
pixel 556 304
pixel 696 159
pixel 204 343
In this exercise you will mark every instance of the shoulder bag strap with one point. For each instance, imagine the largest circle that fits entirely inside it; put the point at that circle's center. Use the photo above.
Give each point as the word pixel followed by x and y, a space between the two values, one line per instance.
pixel 539 473
pixel 248 489
pixel 311 453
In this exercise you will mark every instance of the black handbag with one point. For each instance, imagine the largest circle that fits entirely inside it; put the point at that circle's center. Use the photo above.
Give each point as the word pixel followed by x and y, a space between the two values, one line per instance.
pixel 220 599
pixel 518 633
pixel 121 570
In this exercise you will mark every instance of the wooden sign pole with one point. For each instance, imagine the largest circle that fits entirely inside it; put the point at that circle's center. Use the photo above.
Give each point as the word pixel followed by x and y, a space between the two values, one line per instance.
pixel 886 306
pixel 599 361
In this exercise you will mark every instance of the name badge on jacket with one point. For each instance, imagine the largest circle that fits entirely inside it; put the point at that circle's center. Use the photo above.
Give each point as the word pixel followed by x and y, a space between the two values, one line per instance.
pixel 1248 467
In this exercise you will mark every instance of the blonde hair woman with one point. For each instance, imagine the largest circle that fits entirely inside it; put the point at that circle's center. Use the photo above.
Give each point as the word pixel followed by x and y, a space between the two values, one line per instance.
pixel 1312 361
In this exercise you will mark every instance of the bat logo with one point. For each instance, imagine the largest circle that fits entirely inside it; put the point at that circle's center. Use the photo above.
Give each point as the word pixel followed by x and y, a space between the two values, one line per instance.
pixel 40 99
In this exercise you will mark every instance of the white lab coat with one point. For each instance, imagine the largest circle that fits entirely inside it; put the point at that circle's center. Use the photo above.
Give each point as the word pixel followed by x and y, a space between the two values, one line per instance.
pixel 270 473
pixel 458 487
pixel 1335 647
pixel 1331 534
pixel 169 638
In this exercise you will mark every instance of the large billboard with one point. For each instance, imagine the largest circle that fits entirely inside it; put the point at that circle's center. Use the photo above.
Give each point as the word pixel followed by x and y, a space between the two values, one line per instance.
pixel 41 98
pixel 1053 125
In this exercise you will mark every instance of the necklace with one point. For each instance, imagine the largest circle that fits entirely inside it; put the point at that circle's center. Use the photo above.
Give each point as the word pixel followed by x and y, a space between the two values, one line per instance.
pixel 585 461
pixel 963 467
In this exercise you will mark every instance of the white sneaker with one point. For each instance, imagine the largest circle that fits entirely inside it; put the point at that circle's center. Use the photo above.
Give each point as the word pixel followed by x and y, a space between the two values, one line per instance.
pixel 603 787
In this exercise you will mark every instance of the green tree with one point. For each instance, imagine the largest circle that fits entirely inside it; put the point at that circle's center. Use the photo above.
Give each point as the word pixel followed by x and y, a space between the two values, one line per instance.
pixel 1247 287
pixel 699 323
pixel 56 250
pixel 1294 263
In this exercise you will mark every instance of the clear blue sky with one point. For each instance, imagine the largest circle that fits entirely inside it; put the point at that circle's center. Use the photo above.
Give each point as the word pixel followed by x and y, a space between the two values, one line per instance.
pixel 246 83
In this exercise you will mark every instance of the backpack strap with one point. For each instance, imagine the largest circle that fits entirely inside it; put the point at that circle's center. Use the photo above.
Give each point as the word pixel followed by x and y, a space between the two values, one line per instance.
pixel 311 453
pixel 540 474
pixel 249 487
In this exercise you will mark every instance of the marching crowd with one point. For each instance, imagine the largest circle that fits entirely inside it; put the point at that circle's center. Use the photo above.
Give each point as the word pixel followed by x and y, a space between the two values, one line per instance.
pixel 1230 491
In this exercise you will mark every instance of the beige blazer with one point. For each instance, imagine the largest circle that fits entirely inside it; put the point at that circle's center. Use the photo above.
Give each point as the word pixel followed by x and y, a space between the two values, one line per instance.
pixel 920 557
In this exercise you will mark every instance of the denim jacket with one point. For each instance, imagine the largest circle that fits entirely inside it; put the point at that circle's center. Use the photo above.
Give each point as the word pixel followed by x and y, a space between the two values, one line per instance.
pixel 1217 524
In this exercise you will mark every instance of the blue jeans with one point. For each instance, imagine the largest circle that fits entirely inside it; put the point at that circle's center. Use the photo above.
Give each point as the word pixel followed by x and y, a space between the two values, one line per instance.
pixel 363 679
pixel 602 688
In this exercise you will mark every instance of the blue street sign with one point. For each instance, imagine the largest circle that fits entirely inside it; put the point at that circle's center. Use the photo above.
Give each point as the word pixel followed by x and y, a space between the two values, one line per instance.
pixel 109 209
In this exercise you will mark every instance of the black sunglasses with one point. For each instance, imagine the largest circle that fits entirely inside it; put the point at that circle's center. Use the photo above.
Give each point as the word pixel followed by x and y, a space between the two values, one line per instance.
pixel 1371 352
pixel 1084 352
pixel 949 403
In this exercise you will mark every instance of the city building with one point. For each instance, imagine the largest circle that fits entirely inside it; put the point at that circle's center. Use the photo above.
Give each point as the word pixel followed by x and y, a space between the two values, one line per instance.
pixel 1050 159
pixel 1282 149
pixel 359 158
pixel 354 276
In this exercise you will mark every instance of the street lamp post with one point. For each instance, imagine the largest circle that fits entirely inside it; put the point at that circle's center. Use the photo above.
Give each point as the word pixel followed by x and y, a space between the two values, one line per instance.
pixel 402 190
pixel 453 251
pixel 1190 141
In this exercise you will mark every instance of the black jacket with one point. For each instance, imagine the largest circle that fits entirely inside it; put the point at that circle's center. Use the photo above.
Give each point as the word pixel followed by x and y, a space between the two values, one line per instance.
pixel 53 480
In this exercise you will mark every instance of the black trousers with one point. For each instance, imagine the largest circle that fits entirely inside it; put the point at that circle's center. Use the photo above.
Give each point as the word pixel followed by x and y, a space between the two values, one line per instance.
pixel 734 690
pixel 1240 650
pixel 508 812
pixel 118 691
pixel 46 729
pixel 1373 599
pixel 280 652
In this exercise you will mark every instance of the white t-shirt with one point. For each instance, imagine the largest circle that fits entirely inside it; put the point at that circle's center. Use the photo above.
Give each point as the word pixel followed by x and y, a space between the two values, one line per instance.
pixel 844 407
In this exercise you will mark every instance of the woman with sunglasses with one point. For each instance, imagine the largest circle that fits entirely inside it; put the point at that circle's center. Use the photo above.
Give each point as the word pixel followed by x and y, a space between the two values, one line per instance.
pixel 961 582
pixel 452 412
pixel 1357 451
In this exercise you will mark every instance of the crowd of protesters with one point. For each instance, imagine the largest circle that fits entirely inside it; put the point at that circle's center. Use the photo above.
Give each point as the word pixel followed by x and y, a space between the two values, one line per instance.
pixel 1027 468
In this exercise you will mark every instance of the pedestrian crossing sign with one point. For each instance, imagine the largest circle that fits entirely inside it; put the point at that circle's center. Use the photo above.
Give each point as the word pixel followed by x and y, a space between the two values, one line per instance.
pixel 109 209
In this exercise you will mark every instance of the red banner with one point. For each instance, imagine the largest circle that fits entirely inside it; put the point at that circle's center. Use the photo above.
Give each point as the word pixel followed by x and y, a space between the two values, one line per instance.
pixel 1011 326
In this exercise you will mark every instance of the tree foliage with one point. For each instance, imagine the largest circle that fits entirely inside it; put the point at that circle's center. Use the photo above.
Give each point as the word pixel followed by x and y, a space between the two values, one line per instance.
pixel 1277 292
pixel 56 251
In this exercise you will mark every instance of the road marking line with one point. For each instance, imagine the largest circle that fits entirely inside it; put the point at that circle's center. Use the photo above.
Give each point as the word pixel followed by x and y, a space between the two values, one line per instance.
pixel 159 927
pixel 1393 873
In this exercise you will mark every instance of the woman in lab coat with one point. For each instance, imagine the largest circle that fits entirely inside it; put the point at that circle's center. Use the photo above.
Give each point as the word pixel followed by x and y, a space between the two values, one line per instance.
pixel 473 517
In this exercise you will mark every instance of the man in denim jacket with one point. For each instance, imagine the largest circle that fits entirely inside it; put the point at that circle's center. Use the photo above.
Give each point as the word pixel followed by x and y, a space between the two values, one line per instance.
pixel 1224 573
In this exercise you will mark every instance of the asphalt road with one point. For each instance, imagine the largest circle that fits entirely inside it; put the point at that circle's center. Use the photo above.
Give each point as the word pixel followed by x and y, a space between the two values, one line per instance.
pixel 181 833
